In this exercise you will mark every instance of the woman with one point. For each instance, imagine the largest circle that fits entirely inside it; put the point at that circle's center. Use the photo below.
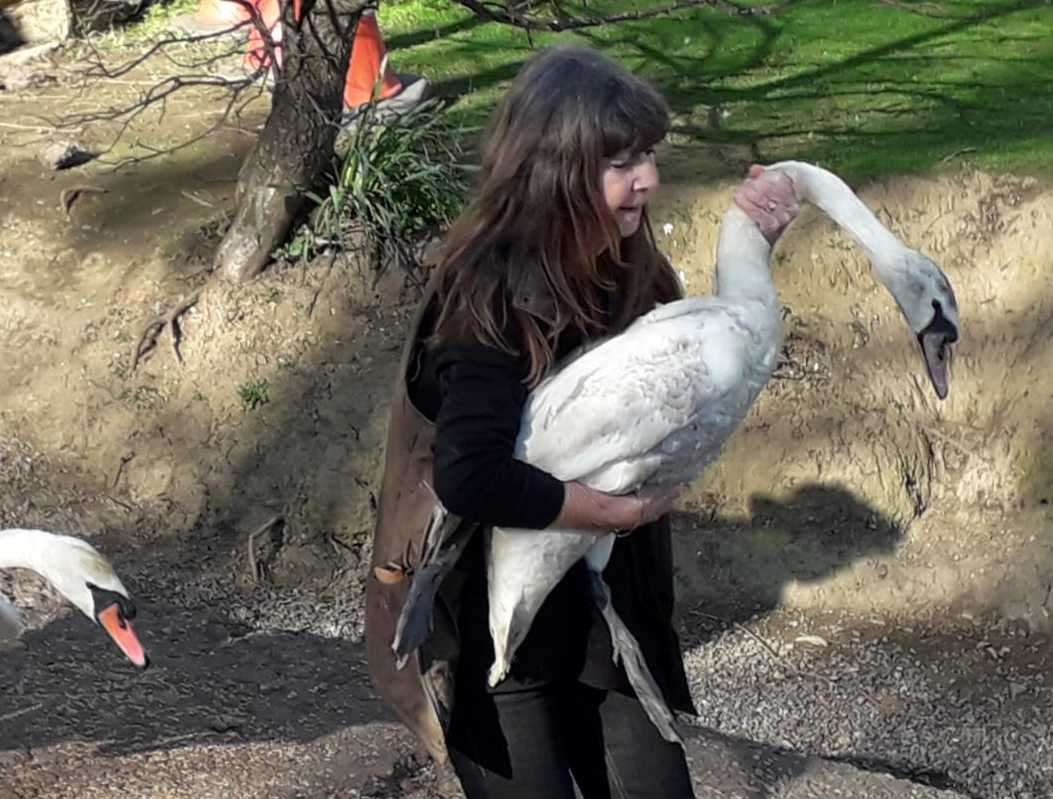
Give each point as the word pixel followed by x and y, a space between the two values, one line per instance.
pixel 554 250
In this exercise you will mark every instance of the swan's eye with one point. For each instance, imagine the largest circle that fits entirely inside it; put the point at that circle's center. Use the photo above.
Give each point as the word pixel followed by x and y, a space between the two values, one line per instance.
pixel 104 598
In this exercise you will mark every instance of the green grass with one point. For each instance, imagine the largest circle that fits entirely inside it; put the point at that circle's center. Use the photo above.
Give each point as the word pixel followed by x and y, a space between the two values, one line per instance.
pixel 156 20
pixel 863 86
pixel 397 183
pixel 254 394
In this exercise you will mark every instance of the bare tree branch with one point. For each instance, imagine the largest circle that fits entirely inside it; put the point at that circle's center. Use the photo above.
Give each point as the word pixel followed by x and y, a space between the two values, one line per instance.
pixel 194 63
pixel 99 69
pixel 189 61
pixel 239 93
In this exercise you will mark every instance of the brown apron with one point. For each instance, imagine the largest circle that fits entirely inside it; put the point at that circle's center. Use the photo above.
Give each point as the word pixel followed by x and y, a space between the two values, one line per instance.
pixel 405 506
pixel 421 693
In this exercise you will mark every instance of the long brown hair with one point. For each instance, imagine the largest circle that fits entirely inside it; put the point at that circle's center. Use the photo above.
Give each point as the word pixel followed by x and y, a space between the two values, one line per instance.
pixel 540 206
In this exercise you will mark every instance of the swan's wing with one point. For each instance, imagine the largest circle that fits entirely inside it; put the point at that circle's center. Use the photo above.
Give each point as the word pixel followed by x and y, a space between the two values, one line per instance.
pixel 671 310
pixel 619 401
pixel 660 313
pixel 10 620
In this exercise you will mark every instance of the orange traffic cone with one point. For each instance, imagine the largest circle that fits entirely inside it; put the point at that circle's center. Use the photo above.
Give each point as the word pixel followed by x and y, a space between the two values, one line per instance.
pixel 367 59
pixel 367 54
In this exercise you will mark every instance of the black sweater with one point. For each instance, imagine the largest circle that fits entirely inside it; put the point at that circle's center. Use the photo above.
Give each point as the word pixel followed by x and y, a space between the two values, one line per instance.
pixel 475 395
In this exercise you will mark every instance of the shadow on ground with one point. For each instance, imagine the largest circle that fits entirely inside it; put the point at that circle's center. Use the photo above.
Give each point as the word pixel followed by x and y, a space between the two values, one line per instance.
pixel 213 676
pixel 10 36
pixel 737 567
pixel 210 681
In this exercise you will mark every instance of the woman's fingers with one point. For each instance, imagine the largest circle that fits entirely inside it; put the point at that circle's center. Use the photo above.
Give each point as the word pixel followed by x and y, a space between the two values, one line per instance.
pixel 770 199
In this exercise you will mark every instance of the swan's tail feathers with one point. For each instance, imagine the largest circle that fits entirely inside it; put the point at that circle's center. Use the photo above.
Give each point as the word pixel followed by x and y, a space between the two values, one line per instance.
pixel 507 640
pixel 628 651
pixel 444 543
pixel 10 620
pixel 498 671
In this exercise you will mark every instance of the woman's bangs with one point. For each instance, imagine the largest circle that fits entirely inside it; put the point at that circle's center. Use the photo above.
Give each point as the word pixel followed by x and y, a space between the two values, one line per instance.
pixel 634 121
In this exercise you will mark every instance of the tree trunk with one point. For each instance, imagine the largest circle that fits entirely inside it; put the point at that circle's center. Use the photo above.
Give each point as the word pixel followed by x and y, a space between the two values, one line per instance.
pixel 296 145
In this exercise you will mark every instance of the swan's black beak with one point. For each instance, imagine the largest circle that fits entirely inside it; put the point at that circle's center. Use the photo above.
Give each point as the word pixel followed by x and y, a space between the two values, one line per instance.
pixel 937 348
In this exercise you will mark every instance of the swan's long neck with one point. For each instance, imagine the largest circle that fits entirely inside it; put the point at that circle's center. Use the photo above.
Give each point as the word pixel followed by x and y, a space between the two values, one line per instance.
pixel 23 549
pixel 19 549
pixel 45 553
pixel 54 557
pixel 743 260
pixel 832 195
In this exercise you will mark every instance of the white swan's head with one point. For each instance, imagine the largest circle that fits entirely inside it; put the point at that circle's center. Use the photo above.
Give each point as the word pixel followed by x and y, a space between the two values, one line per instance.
pixel 84 577
pixel 920 287
pixel 927 301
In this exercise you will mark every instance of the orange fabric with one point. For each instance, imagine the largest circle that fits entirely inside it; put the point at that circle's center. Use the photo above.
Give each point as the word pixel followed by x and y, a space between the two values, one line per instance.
pixel 367 53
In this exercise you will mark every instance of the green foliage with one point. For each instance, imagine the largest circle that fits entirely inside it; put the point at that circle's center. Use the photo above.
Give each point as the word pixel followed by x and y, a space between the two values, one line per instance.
pixel 254 394
pixel 865 87
pixel 400 180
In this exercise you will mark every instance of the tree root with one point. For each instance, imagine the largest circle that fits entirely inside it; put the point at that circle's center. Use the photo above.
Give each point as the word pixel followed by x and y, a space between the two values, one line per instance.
pixel 69 196
pixel 255 567
pixel 153 330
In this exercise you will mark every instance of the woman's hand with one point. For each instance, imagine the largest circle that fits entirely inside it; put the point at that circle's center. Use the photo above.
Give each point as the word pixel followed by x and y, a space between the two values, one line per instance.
pixel 770 200
pixel 587 509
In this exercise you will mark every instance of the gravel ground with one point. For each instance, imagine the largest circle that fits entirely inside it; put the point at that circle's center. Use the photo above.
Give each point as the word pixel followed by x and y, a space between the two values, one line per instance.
pixel 968 708
pixel 260 691
pixel 269 712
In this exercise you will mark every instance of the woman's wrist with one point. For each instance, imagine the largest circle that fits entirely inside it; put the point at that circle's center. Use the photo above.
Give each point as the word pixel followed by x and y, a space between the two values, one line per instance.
pixel 585 508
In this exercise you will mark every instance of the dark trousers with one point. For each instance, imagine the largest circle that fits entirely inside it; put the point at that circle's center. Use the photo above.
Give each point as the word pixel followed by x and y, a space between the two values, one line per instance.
pixel 537 743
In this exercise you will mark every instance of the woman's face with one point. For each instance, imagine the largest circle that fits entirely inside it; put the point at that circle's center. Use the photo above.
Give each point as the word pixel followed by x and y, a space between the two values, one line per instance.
pixel 628 181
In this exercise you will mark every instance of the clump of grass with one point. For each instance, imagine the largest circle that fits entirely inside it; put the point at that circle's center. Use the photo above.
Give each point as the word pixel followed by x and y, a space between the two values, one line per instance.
pixel 254 394
pixel 158 16
pixel 151 24
pixel 398 181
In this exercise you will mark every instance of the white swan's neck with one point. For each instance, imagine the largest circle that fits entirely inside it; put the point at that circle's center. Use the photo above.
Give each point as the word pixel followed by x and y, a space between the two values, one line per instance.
pixel 743 260
pixel 54 557
pixel 833 196
pixel 25 549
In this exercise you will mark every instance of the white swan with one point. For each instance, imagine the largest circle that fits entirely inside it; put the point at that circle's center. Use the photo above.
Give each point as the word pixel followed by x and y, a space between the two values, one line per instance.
pixel 81 575
pixel 654 405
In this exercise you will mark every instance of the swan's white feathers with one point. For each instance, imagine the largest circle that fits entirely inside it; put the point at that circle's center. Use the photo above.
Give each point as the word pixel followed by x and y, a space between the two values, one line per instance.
pixel 657 402
pixel 599 422
pixel 67 562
